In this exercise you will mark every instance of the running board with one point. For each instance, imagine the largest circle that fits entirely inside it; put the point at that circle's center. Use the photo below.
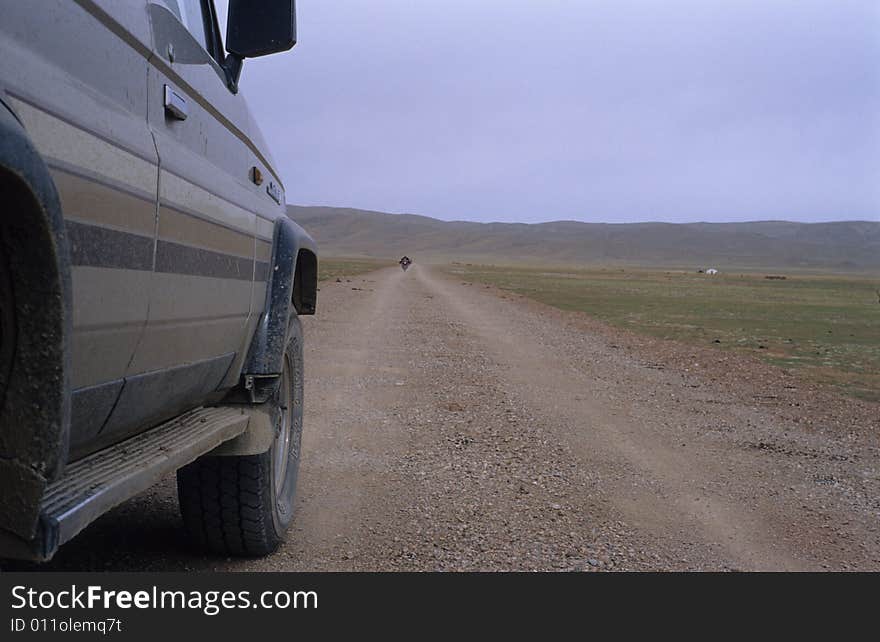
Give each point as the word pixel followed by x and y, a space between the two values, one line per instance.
pixel 95 484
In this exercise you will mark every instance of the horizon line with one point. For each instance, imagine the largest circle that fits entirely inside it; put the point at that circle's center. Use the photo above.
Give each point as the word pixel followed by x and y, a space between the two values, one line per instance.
pixel 645 222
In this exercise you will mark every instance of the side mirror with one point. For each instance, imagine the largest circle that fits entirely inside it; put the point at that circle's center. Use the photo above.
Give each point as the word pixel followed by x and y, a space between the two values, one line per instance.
pixel 256 29
pixel 260 28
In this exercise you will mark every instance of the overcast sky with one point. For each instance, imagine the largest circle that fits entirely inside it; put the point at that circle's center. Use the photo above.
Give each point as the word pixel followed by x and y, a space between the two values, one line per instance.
pixel 603 110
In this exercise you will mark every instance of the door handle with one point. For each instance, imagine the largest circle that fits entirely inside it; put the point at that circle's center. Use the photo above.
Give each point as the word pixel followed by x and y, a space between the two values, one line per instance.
pixel 175 104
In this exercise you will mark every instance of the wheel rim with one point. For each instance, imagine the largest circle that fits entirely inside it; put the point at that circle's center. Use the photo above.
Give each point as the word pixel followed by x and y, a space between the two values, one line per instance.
pixel 283 430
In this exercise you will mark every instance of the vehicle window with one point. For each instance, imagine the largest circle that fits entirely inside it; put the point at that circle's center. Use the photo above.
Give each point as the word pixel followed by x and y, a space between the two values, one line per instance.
pixel 190 13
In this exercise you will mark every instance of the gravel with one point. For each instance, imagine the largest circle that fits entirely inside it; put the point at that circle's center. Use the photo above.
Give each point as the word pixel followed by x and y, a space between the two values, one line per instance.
pixel 455 428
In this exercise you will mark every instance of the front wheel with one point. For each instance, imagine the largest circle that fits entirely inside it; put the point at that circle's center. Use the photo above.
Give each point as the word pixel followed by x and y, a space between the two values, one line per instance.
pixel 243 505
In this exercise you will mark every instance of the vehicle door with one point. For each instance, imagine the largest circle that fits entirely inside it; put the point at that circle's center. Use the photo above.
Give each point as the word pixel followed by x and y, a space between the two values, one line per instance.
pixel 206 254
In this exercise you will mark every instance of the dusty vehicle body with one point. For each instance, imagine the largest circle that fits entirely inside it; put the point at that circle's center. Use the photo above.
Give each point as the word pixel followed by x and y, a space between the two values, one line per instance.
pixel 150 280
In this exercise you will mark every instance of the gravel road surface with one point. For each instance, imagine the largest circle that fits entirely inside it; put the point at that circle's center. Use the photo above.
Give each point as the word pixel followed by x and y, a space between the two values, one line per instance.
pixel 450 426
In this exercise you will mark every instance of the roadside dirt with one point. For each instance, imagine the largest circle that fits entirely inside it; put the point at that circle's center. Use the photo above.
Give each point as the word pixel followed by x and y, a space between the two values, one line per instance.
pixel 450 426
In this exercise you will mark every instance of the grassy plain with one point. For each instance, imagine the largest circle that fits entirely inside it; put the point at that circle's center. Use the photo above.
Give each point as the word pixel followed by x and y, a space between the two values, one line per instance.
pixel 826 327
pixel 337 268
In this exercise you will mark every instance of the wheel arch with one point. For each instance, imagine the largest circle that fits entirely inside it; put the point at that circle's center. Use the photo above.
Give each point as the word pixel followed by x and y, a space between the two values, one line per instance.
pixel 33 436
pixel 291 288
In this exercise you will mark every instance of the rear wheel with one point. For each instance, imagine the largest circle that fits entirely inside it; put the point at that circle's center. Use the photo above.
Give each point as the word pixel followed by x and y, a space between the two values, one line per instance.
pixel 243 505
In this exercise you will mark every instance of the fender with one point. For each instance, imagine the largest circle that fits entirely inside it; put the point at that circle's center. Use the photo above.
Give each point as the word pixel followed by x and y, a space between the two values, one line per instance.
pixel 33 436
pixel 292 288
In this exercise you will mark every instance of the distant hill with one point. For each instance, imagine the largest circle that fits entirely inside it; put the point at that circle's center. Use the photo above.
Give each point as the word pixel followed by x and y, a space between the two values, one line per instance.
pixel 839 246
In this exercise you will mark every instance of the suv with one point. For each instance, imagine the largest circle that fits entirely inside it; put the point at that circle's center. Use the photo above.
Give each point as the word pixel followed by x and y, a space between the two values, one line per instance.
pixel 151 282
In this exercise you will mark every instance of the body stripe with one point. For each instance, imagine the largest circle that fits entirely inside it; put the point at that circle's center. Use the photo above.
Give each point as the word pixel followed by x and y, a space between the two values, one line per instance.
pixel 185 229
pixel 174 258
pixel 74 146
pixel 70 167
pixel 261 271
pixel 94 246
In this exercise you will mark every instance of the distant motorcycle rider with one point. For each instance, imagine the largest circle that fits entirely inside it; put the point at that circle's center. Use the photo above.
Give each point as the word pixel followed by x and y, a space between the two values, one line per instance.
pixel 405 262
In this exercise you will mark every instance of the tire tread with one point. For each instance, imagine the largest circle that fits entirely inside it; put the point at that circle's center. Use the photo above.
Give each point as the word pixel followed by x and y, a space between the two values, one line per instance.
pixel 222 500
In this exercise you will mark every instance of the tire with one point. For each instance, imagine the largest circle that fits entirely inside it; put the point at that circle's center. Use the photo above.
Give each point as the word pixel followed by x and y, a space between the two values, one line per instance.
pixel 243 505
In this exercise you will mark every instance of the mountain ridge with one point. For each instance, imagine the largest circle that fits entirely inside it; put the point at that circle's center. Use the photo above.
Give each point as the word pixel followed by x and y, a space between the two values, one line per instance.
pixel 838 246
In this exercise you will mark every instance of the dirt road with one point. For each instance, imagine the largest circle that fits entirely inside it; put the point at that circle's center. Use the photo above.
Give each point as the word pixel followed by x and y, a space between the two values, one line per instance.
pixel 451 427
